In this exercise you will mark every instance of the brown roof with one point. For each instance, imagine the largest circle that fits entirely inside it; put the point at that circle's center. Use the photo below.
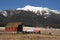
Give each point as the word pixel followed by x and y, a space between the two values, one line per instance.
pixel 13 24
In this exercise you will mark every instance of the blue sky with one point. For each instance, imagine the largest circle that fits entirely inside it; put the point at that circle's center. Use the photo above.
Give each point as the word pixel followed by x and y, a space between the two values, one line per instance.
pixel 13 4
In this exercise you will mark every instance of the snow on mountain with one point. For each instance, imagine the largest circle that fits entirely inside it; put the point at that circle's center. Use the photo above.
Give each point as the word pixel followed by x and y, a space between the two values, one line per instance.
pixel 3 13
pixel 55 11
pixel 38 10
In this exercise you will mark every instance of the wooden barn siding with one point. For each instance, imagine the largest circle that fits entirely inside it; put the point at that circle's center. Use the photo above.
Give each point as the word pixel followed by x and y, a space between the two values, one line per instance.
pixel 11 29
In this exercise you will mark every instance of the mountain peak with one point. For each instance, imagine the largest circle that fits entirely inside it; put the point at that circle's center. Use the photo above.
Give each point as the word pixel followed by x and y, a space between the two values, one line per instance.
pixel 38 10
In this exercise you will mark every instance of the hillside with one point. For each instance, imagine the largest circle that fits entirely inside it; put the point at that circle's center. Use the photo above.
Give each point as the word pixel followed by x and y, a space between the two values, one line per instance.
pixel 40 17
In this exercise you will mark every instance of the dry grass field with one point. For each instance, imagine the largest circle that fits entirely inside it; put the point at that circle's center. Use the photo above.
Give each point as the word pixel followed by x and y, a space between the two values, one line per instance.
pixel 29 37
pixel 55 35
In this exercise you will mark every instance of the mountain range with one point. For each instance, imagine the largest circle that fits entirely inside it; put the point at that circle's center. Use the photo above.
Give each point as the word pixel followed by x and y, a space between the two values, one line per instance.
pixel 31 15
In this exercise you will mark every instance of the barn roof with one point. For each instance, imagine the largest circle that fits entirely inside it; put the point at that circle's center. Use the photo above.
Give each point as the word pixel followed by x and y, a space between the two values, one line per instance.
pixel 13 24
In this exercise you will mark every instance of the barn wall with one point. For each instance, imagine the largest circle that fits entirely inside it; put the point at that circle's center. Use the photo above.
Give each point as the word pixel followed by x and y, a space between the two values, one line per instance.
pixel 11 29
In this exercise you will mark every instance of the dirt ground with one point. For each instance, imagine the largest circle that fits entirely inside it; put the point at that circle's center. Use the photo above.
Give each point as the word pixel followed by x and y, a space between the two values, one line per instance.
pixel 29 37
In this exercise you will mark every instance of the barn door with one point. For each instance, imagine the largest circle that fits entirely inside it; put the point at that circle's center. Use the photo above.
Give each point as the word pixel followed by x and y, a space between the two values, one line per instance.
pixel 19 28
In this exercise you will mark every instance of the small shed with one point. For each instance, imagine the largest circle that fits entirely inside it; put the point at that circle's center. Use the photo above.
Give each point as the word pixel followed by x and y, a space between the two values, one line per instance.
pixel 14 27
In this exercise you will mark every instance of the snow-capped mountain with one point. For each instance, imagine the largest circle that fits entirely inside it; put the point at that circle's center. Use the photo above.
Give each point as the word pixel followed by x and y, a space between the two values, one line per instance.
pixel 38 10
pixel 4 13
pixel 31 15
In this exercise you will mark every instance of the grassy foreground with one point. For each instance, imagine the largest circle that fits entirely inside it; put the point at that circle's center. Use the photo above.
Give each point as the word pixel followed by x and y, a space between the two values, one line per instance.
pixel 28 37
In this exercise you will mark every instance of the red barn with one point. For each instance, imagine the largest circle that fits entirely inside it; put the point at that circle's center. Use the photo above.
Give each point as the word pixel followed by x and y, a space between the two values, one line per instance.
pixel 14 27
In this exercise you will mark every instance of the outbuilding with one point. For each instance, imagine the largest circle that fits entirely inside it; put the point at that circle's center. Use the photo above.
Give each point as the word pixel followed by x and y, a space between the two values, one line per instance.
pixel 14 27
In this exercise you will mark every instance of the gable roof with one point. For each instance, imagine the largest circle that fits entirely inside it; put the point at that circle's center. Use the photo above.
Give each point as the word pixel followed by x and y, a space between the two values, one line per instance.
pixel 13 24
